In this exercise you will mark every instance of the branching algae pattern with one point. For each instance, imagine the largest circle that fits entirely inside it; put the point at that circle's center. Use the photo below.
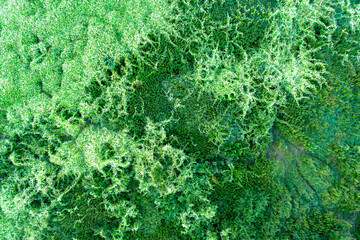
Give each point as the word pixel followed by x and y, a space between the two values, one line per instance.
pixel 179 119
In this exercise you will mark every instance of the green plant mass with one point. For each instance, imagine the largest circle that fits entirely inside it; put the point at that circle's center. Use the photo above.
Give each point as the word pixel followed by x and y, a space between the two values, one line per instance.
pixel 179 119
